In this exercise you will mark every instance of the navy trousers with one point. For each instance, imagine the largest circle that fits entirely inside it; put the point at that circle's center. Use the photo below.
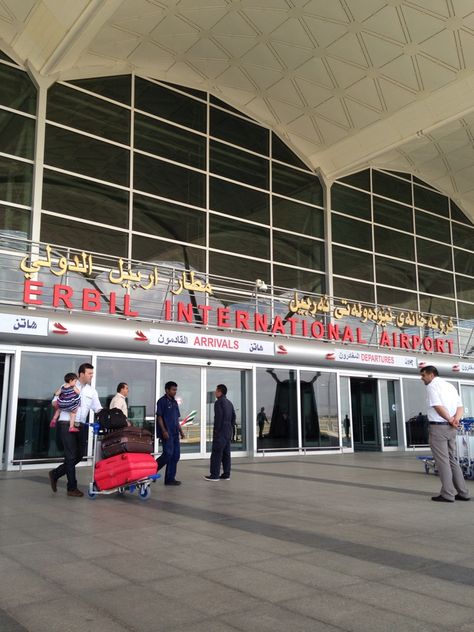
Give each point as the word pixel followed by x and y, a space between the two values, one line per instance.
pixel 170 457
pixel 220 455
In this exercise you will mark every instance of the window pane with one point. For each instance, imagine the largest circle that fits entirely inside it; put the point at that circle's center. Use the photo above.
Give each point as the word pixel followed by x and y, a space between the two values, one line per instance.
pixel 396 298
pixel 85 199
pixel 169 104
pixel 18 91
pixel 240 201
pixel 361 180
pixel 239 237
pixel 65 232
pixel 458 215
pixel 236 267
pixel 390 187
pixel 466 311
pixel 414 392
pixel 397 273
pixel 117 87
pixel 391 214
pixel 464 262
pixel 137 373
pixel 79 110
pixel 391 242
pixel 164 219
pixel 302 280
pixel 350 201
pixel 169 141
pixel 297 217
pixel 170 181
pixel 353 291
pixel 17 134
pixel 435 282
pixel 351 232
pixel 14 222
pixel 431 201
pixel 239 132
pixel 239 165
pixel 296 184
pixel 281 152
pixel 434 305
pixel 463 236
pixel 352 263
pixel 432 227
pixel 81 154
pixel 276 394
pixel 298 251
pixel 319 419
pixel 435 255
pixel 145 249
pixel 465 288
pixel 15 181
pixel 34 439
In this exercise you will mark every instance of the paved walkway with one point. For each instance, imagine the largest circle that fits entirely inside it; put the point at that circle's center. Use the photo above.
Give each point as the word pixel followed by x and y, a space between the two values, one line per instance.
pixel 321 543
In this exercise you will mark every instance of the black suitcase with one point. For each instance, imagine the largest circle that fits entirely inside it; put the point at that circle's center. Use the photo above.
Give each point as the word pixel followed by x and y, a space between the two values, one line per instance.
pixel 128 439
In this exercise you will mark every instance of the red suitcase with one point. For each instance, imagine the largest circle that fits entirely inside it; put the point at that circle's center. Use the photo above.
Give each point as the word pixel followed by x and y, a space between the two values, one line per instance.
pixel 128 439
pixel 123 469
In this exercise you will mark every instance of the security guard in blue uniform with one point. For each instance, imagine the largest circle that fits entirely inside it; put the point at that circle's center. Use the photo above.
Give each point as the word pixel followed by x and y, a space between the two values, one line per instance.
pixel 168 431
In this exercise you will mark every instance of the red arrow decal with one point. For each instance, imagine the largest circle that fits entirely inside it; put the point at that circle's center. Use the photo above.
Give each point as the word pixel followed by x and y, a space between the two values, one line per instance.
pixel 330 356
pixel 59 329
pixel 139 335
pixel 282 350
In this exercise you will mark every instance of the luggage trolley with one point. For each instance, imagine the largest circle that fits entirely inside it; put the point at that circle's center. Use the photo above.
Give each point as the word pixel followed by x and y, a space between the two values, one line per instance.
pixel 142 485
pixel 465 450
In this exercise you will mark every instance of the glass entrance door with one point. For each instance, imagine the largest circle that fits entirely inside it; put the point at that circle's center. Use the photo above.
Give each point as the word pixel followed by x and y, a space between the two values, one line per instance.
pixel 389 397
pixel 365 423
pixel 236 381
pixel 4 384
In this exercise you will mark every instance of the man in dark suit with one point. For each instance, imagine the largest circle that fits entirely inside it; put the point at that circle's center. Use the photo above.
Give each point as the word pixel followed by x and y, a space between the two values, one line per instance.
pixel 224 423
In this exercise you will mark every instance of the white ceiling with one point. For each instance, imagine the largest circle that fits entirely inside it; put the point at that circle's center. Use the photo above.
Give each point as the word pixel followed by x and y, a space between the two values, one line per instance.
pixel 346 83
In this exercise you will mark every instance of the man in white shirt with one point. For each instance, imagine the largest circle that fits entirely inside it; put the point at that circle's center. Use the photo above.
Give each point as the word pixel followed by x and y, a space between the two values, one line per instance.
pixel 118 400
pixel 445 409
pixel 75 443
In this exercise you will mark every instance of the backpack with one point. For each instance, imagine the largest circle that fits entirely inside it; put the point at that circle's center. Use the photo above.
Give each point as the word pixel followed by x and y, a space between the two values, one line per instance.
pixel 111 419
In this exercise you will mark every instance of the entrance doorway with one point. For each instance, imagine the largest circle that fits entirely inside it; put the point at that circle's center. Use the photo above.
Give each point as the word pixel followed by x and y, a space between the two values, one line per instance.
pixel 4 385
pixel 364 407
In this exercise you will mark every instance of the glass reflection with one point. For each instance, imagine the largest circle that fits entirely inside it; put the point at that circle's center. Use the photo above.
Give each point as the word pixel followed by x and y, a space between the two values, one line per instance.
pixel 40 376
pixel 276 394
pixel 188 379
pixel 320 426
pixel 416 426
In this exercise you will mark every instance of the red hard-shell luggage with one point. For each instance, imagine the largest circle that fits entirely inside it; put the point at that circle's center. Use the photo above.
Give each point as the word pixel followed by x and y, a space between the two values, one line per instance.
pixel 128 439
pixel 123 469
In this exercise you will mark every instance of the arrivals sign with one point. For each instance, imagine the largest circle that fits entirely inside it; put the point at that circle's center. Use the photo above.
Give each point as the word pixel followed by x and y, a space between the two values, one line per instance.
pixel 200 340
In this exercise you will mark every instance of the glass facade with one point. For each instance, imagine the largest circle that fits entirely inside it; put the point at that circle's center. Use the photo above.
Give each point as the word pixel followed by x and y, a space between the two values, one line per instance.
pixel 398 242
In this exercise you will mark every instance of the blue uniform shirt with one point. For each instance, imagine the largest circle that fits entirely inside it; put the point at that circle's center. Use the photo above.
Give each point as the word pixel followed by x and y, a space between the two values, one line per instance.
pixel 168 409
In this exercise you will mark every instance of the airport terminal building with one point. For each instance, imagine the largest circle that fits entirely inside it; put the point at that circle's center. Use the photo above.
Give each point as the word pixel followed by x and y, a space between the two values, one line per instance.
pixel 162 233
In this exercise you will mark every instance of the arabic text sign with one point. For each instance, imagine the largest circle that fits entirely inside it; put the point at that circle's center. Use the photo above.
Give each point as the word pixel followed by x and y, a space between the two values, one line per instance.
pixel 466 367
pixel 203 341
pixel 374 359
pixel 31 325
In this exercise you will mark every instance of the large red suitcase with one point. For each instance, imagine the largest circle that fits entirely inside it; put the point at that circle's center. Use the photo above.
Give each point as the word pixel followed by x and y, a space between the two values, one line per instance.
pixel 128 439
pixel 123 469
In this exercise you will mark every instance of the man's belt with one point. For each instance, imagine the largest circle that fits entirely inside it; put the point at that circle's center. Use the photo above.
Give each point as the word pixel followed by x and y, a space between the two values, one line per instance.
pixel 439 423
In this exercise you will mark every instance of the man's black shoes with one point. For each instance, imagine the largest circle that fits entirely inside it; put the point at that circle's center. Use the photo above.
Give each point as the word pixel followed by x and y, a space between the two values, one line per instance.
pixel 175 482
pixel 458 497
pixel 441 499
pixel 52 481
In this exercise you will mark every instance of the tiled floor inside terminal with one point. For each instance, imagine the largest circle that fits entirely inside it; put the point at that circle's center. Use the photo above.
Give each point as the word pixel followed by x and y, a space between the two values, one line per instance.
pixel 316 543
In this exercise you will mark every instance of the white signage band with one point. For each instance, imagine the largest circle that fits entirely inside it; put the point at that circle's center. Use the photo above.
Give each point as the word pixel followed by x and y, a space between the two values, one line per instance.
pixel 203 342
pixel 31 325
pixel 371 358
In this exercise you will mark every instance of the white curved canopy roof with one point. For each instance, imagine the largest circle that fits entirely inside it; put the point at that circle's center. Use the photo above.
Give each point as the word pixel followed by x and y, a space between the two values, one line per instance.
pixel 346 83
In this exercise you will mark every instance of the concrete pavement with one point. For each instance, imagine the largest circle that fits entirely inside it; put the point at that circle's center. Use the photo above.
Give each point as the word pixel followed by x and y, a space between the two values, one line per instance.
pixel 316 543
